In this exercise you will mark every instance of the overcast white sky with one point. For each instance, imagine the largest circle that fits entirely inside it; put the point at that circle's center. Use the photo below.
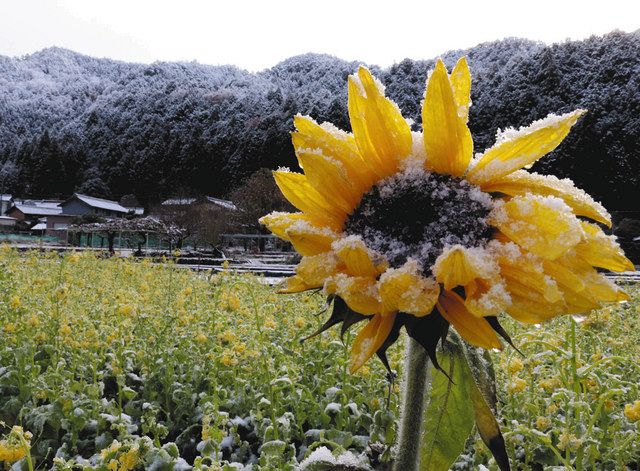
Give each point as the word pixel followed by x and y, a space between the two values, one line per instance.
pixel 255 34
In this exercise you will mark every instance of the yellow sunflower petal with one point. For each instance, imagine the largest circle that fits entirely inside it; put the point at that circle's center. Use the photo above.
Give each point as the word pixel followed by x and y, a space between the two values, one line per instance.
pixel 316 269
pixel 297 189
pixel 531 312
pixel 486 297
pixel 308 239
pixel 359 292
pixel 356 105
pixel 333 143
pixel 575 263
pixel 475 330
pixel 405 289
pixel 293 284
pixel 534 295
pixel 522 182
pixel 565 277
pixel 330 179
pixel 578 303
pixel 623 296
pixel 601 250
pixel 459 265
pixel 357 258
pixel 550 293
pixel 461 83
pixel 583 289
pixel 544 225
pixel 370 339
pixel 524 275
pixel 517 149
pixel 381 133
pixel 575 295
pixel 278 222
pixel 447 139
pixel 604 290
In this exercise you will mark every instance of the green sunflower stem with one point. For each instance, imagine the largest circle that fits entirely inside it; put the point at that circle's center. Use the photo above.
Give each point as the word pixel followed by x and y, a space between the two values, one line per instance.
pixel 416 381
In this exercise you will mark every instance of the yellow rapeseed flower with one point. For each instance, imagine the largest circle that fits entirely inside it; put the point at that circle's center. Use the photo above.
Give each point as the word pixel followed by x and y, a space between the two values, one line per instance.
pixel 128 460
pixel 365 371
pixel 15 302
pixel 568 441
pixel 112 448
pixel 632 411
pixel 15 445
pixel 227 336
pixel 239 348
pixel 65 330
pixel 228 359
pixel 33 321
pixel 9 327
pixel 61 293
pixel 515 366
pixel 543 423
pixel 10 453
pixel 233 301
pixel 517 385
pixel 548 384
pixel 126 310
pixel 406 228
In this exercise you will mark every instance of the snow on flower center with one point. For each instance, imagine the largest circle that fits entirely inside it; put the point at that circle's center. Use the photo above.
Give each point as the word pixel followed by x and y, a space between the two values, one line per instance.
pixel 415 214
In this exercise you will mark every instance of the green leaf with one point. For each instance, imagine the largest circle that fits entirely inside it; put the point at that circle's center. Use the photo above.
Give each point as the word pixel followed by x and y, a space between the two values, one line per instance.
pixel 483 398
pixel 273 448
pixel 454 407
pixel 449 416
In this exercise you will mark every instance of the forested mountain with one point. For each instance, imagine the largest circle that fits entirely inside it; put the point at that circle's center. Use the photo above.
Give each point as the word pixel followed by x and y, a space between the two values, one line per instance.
pixel 71 122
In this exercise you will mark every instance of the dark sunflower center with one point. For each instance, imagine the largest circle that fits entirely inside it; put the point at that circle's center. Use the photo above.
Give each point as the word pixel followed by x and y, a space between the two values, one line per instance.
pixel 416 214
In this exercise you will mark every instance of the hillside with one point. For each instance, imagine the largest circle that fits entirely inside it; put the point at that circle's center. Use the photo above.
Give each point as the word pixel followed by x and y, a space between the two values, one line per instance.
pixel 71 122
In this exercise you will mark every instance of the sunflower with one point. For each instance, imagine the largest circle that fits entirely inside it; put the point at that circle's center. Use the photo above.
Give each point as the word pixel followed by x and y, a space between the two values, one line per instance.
pixel 405 228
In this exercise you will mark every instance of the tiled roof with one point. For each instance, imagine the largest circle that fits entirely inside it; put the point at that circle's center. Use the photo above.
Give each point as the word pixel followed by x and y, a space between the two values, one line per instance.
pixel 101 203
pixel 224 203
pixel 188 201
pixel 178 201
pixel 37 210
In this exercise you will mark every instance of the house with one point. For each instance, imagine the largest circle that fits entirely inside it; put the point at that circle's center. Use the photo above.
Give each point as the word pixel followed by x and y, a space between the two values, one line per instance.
pixel 30 211
pixel 40 227
pixel 7 222
pixel 58 223
pixel 81 205
pixel 5 203
pixel 208 200
pixel 42 203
